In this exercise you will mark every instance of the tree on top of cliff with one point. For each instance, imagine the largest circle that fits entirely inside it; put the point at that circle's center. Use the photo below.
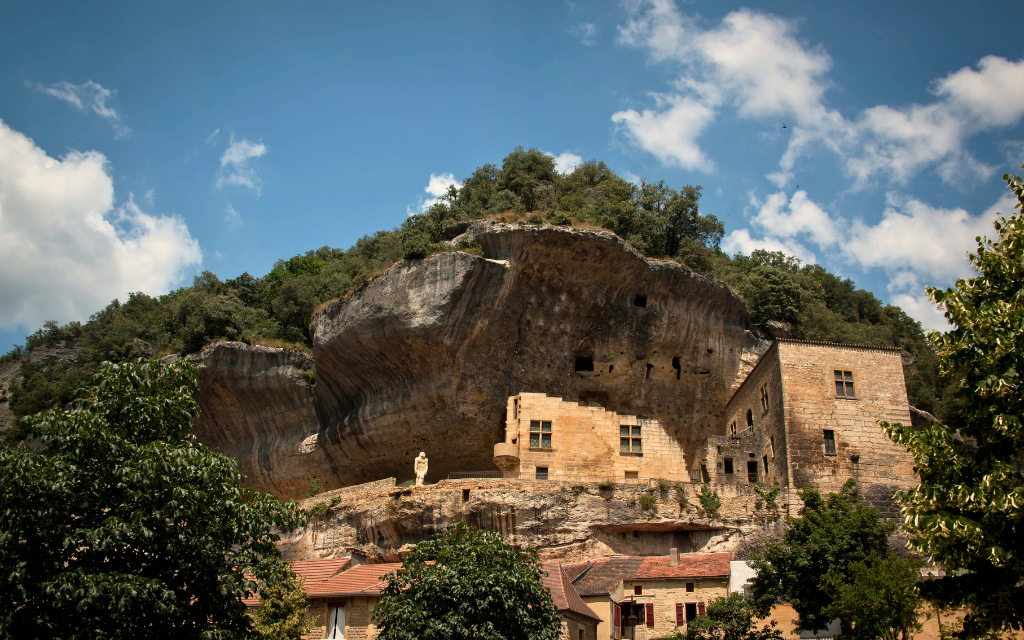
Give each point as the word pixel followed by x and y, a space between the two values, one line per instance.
pixel 476 585
pixel 968 512
pixel 125 526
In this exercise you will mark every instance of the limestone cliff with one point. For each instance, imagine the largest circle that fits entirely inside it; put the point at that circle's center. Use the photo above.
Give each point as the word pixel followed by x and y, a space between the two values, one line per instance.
pixel 425 356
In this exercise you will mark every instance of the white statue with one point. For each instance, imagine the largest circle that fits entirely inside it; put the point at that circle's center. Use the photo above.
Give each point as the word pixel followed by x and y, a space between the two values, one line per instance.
pixel 420 465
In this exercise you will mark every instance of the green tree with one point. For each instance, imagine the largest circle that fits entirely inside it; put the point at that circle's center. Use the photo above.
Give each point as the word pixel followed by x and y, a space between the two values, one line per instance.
pixel 476 585
pixel 282 612
pixel 832 531
pixel 968 512
pixel 730 618
pixel 876 599
pixel 126 527
pixel 523 171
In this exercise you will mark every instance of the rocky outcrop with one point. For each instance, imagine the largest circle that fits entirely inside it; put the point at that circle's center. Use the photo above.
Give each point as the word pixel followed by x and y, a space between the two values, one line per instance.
pixel 256 405
pixel 425 356
pixel 380 520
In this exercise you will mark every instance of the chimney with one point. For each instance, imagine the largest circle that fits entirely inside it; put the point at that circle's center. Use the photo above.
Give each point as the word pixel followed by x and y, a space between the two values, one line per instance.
pixel 673 557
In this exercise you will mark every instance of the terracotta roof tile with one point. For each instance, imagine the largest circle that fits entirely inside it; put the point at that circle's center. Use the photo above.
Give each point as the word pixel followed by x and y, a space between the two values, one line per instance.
pixel 314 571
pixel 563 593
pixel 362 580
pixel 605 574
pixel 691 565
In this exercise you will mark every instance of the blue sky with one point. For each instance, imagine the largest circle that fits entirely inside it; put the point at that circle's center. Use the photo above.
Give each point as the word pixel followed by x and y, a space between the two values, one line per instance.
pixel 142 143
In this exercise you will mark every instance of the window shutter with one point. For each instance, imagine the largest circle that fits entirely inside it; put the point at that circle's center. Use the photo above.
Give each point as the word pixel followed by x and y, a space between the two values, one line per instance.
pixel 618 615
pixel 680 616
pixel 700 608
pixel 650 614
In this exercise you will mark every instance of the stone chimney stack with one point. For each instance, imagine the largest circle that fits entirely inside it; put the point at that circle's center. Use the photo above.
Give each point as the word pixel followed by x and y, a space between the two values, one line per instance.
pixel 673 557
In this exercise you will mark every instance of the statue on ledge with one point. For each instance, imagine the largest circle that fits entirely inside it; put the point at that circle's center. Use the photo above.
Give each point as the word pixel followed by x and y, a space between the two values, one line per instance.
pixel 420 466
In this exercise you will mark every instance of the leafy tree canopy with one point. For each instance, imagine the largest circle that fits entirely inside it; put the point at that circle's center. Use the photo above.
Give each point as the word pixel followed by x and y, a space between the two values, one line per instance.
pixel 467 584
pixel 730 618
pixel 282 612
pixel 968 512
pixel 876 599
pixel 834 531
pixel 125 526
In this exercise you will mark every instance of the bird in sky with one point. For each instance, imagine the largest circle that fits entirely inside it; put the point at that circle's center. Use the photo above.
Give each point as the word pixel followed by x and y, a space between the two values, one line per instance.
pixel 783 125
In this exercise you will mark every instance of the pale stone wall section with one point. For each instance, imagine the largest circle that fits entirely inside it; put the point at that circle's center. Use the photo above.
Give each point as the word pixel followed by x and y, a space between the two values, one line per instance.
pixel 585 441
pixel 665 594
pixel 767 436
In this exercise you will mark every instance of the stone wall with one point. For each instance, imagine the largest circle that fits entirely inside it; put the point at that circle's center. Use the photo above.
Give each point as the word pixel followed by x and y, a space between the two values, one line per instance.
pixel 766 438
pixel 585 441
pixel 664 594
pixel 863 451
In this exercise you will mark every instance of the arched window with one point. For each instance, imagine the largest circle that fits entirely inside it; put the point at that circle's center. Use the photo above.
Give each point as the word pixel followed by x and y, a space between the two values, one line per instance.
pixel 750 418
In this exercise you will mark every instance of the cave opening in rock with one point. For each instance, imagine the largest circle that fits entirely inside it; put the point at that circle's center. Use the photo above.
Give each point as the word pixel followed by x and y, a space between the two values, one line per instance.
pixel 677 367
pixel 584 363
pixel 611 368
pixel 647 376
pixel 640 300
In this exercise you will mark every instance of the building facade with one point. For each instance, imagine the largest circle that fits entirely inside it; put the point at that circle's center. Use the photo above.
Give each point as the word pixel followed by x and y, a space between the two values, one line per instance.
pixel 549 438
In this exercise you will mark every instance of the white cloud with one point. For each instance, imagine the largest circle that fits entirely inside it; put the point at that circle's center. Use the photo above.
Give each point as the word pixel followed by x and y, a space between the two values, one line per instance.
pixel 670 134
pixel 65 250
pixel 629 176
pixel 236 164
pixel 566 162
pixel 740 241
pixel 755 63
pixel 586 33
pixel 232 219
pixel 437 186
pixel 87 96
pixel 150 197
pixel 788 217
pixel 212 138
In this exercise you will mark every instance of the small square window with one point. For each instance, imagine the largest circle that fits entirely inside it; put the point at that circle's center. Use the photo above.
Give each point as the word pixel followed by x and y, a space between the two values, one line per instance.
pixel 689 587
pixel 542 473
pixel 636 432
pixel 844 383
pixel 535 440
pixel 545 441
pixel 638 590
pixel 545 427
pixel 728 465
pixel 624 445
pixel 624 432
pixel 535 425
pixel 830 442
pixel 540 434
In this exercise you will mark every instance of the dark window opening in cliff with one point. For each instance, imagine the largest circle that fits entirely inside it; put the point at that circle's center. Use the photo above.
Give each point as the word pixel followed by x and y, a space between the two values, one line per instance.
pixel 764 459
pixel 542 473
pixel 515 409
pixel 611 367
pixel 640 300
pixel 540 434
pixel 728 466
pixel 629 439
pixel 584 363
pixel 465 495
pixel 647 376
pixel 752 472
pixel 771 448
pixel 750 419
pixel 830 442
pixel 678 367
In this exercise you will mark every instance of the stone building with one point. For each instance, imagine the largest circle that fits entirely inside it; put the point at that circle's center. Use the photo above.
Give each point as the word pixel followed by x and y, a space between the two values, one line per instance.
pixel 644 597
pixel 549 438
pixel 806 416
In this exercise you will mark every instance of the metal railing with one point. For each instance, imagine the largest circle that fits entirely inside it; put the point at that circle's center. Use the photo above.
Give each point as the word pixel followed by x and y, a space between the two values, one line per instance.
pixel 550 477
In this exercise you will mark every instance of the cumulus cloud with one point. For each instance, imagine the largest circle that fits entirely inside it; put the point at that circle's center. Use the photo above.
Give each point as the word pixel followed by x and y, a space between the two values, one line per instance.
pixel 65 249
pixel 236 165
pixel 566 162
pixel 232 219
pixel 437 186
pixel 88 96
pixel 755 63
pixel 740 241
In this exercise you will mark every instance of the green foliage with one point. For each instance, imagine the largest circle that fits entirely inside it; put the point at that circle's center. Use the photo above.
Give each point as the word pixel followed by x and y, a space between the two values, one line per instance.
pixel 769 497
pixel 126 524
pixel 647 502
pixel 320 509
pixel 876 599
pixel 282 612
pixel 710 503
pixel 606 485
pixel 477 586
pixel 579 488
pixel 831 532
pixel 663 485
pixel 968 512
pixel 655 219
pixel 729 618
pixel 316 486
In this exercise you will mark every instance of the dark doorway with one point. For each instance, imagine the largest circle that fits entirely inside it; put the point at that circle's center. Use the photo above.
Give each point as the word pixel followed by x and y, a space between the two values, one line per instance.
pixel 752 472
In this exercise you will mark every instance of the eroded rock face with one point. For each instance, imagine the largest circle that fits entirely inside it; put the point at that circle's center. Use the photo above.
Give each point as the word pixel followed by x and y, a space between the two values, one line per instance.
pixel 256 405
pixel 425 357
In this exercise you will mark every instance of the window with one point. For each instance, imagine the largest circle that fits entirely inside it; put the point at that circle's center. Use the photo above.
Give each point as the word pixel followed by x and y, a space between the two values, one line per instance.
pixel 764 397
pixel 728 465
pixel 689 587
pixel 691 611
pixel 752 472
pixel 638 590
pixel 750 419
pixel 680 616
pixel 771 442
pixel 732 428
pixel 633 474
pixel 540 434
pixel 629 439
pixel 336 622
pixel 640 300
pixel 844 384
pixel 542 473
pixel 515 409
pixel 765 461
pixel 830 442
pixel 649 606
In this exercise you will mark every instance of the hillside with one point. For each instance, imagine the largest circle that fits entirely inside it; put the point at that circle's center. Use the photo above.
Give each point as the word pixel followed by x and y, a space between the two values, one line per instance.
pixel 658 221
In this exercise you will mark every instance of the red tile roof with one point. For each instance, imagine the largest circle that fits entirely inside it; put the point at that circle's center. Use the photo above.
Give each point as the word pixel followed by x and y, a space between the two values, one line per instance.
pixel 314 571
pixel 563 593
pixel 691 565
pixel 602 576
pixel 361 580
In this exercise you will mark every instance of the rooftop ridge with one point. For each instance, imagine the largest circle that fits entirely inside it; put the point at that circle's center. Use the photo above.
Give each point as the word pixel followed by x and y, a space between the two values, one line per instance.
pixel 843 345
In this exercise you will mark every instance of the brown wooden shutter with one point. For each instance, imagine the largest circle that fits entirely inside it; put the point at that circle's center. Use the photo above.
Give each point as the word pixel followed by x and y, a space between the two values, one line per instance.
pixel 618 615
pixel 700 608
pixel 680 613
pixel 650 614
